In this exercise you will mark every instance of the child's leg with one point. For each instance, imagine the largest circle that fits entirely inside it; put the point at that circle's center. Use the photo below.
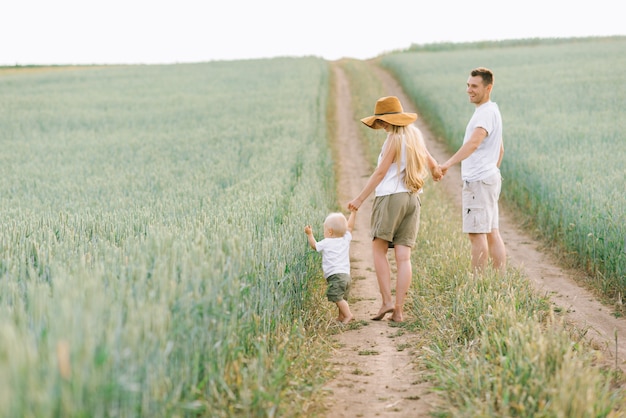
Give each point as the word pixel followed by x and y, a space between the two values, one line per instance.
pixel 345 315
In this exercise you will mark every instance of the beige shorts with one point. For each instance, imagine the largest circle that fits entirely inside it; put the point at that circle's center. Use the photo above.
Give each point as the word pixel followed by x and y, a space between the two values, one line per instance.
pixel 480 205
pixel 396 218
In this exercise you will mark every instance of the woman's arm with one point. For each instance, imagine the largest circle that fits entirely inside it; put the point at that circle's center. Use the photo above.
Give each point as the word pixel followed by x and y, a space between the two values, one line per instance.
pixel 377 176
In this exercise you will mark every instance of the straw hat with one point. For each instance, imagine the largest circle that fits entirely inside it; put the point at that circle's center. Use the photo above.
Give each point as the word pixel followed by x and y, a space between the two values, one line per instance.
pixel 389 110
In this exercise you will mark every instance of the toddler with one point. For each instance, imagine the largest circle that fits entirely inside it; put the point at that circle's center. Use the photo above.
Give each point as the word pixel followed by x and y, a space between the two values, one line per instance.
pixel 335 250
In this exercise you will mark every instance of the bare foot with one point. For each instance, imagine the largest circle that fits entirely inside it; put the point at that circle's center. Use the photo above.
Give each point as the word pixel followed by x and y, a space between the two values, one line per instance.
pixel 397 315
pixel 381 313
pixel 347 319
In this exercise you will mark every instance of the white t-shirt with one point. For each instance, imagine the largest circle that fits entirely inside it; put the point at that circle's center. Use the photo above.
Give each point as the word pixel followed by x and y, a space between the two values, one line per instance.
pixel 393 182
pixel 335 254
pixel 484 160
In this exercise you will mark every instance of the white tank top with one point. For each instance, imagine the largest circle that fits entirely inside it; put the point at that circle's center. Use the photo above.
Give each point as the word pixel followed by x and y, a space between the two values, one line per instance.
pixel 393 182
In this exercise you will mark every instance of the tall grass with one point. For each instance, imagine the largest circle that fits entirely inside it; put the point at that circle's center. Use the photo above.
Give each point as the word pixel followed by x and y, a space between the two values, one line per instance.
pixel 492 346
pixel 495 347
pixel 152 260
pixel 563 136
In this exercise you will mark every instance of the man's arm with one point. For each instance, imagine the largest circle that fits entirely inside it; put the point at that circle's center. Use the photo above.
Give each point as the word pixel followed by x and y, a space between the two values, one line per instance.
pixel 467 149
pixel 501 154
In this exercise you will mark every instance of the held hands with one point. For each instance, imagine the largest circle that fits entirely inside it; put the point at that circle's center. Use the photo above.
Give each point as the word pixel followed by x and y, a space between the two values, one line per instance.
pixel 444 169
pixel 436 173
pixel 440 170
pixel 354 205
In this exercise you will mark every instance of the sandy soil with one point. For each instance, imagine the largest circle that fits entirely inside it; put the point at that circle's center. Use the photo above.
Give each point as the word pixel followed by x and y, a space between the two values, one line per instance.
pixel 374 359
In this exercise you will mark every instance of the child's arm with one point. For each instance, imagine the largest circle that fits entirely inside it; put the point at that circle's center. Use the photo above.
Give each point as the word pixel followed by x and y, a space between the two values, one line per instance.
pixel 351 220
pixel 309 233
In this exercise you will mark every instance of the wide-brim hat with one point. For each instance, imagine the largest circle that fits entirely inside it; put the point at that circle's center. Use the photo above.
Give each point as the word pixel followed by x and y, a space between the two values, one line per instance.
pixel 389 109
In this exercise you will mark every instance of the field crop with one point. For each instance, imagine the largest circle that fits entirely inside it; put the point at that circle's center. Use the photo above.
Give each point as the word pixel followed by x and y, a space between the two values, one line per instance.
pixel 564 138
pixel 152 259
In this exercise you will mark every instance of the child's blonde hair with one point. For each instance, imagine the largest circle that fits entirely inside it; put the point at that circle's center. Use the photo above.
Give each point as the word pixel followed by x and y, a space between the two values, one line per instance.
pixel 337 222
pixel 416 170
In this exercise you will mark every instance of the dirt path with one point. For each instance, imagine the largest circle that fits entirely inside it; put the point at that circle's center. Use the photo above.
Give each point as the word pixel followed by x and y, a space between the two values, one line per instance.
pixel 376 375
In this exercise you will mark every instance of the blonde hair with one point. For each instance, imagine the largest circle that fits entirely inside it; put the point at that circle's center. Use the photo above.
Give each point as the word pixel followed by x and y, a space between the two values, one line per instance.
pixel 338 223
pixel 416 166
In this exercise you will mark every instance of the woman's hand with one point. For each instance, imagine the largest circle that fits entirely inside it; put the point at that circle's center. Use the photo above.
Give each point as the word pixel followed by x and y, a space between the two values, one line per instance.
pixel 436 172
pixel 354 204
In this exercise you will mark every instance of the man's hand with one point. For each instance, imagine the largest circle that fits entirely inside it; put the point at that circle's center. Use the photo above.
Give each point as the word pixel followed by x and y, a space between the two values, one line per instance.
pixel 444 169
pixel 436 173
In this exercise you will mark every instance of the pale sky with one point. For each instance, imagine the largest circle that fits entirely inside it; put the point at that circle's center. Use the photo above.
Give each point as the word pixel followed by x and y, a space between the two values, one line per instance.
pixel 36 32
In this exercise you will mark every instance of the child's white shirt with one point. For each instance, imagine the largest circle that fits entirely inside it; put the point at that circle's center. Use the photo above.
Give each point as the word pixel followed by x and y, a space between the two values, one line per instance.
pixel 335 254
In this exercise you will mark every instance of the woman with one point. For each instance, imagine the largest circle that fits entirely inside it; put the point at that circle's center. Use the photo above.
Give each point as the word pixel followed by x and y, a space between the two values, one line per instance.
pixel 398 178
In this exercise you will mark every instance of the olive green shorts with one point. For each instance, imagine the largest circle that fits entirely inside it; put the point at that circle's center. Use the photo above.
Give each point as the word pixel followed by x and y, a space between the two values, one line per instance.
pixel 338 287
pixel 396 218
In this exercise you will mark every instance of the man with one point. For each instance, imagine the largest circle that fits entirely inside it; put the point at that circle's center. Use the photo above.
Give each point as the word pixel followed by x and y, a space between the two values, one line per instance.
pixel 480 157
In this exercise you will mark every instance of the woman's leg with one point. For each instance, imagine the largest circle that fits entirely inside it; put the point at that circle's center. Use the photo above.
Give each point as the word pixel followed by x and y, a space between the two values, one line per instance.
pixel 383 275
pixel 403 281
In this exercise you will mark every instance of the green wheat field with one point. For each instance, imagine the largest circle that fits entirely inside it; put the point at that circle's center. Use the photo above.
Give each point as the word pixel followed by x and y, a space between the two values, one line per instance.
pixel 152 260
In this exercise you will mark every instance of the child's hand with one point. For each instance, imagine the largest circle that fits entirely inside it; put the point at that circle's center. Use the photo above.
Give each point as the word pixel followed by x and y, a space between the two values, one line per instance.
pixel 308 230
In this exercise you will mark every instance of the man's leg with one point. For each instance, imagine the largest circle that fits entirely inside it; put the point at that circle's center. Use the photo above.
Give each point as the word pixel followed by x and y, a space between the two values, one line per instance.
pixel 480 252
pixel 497 251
